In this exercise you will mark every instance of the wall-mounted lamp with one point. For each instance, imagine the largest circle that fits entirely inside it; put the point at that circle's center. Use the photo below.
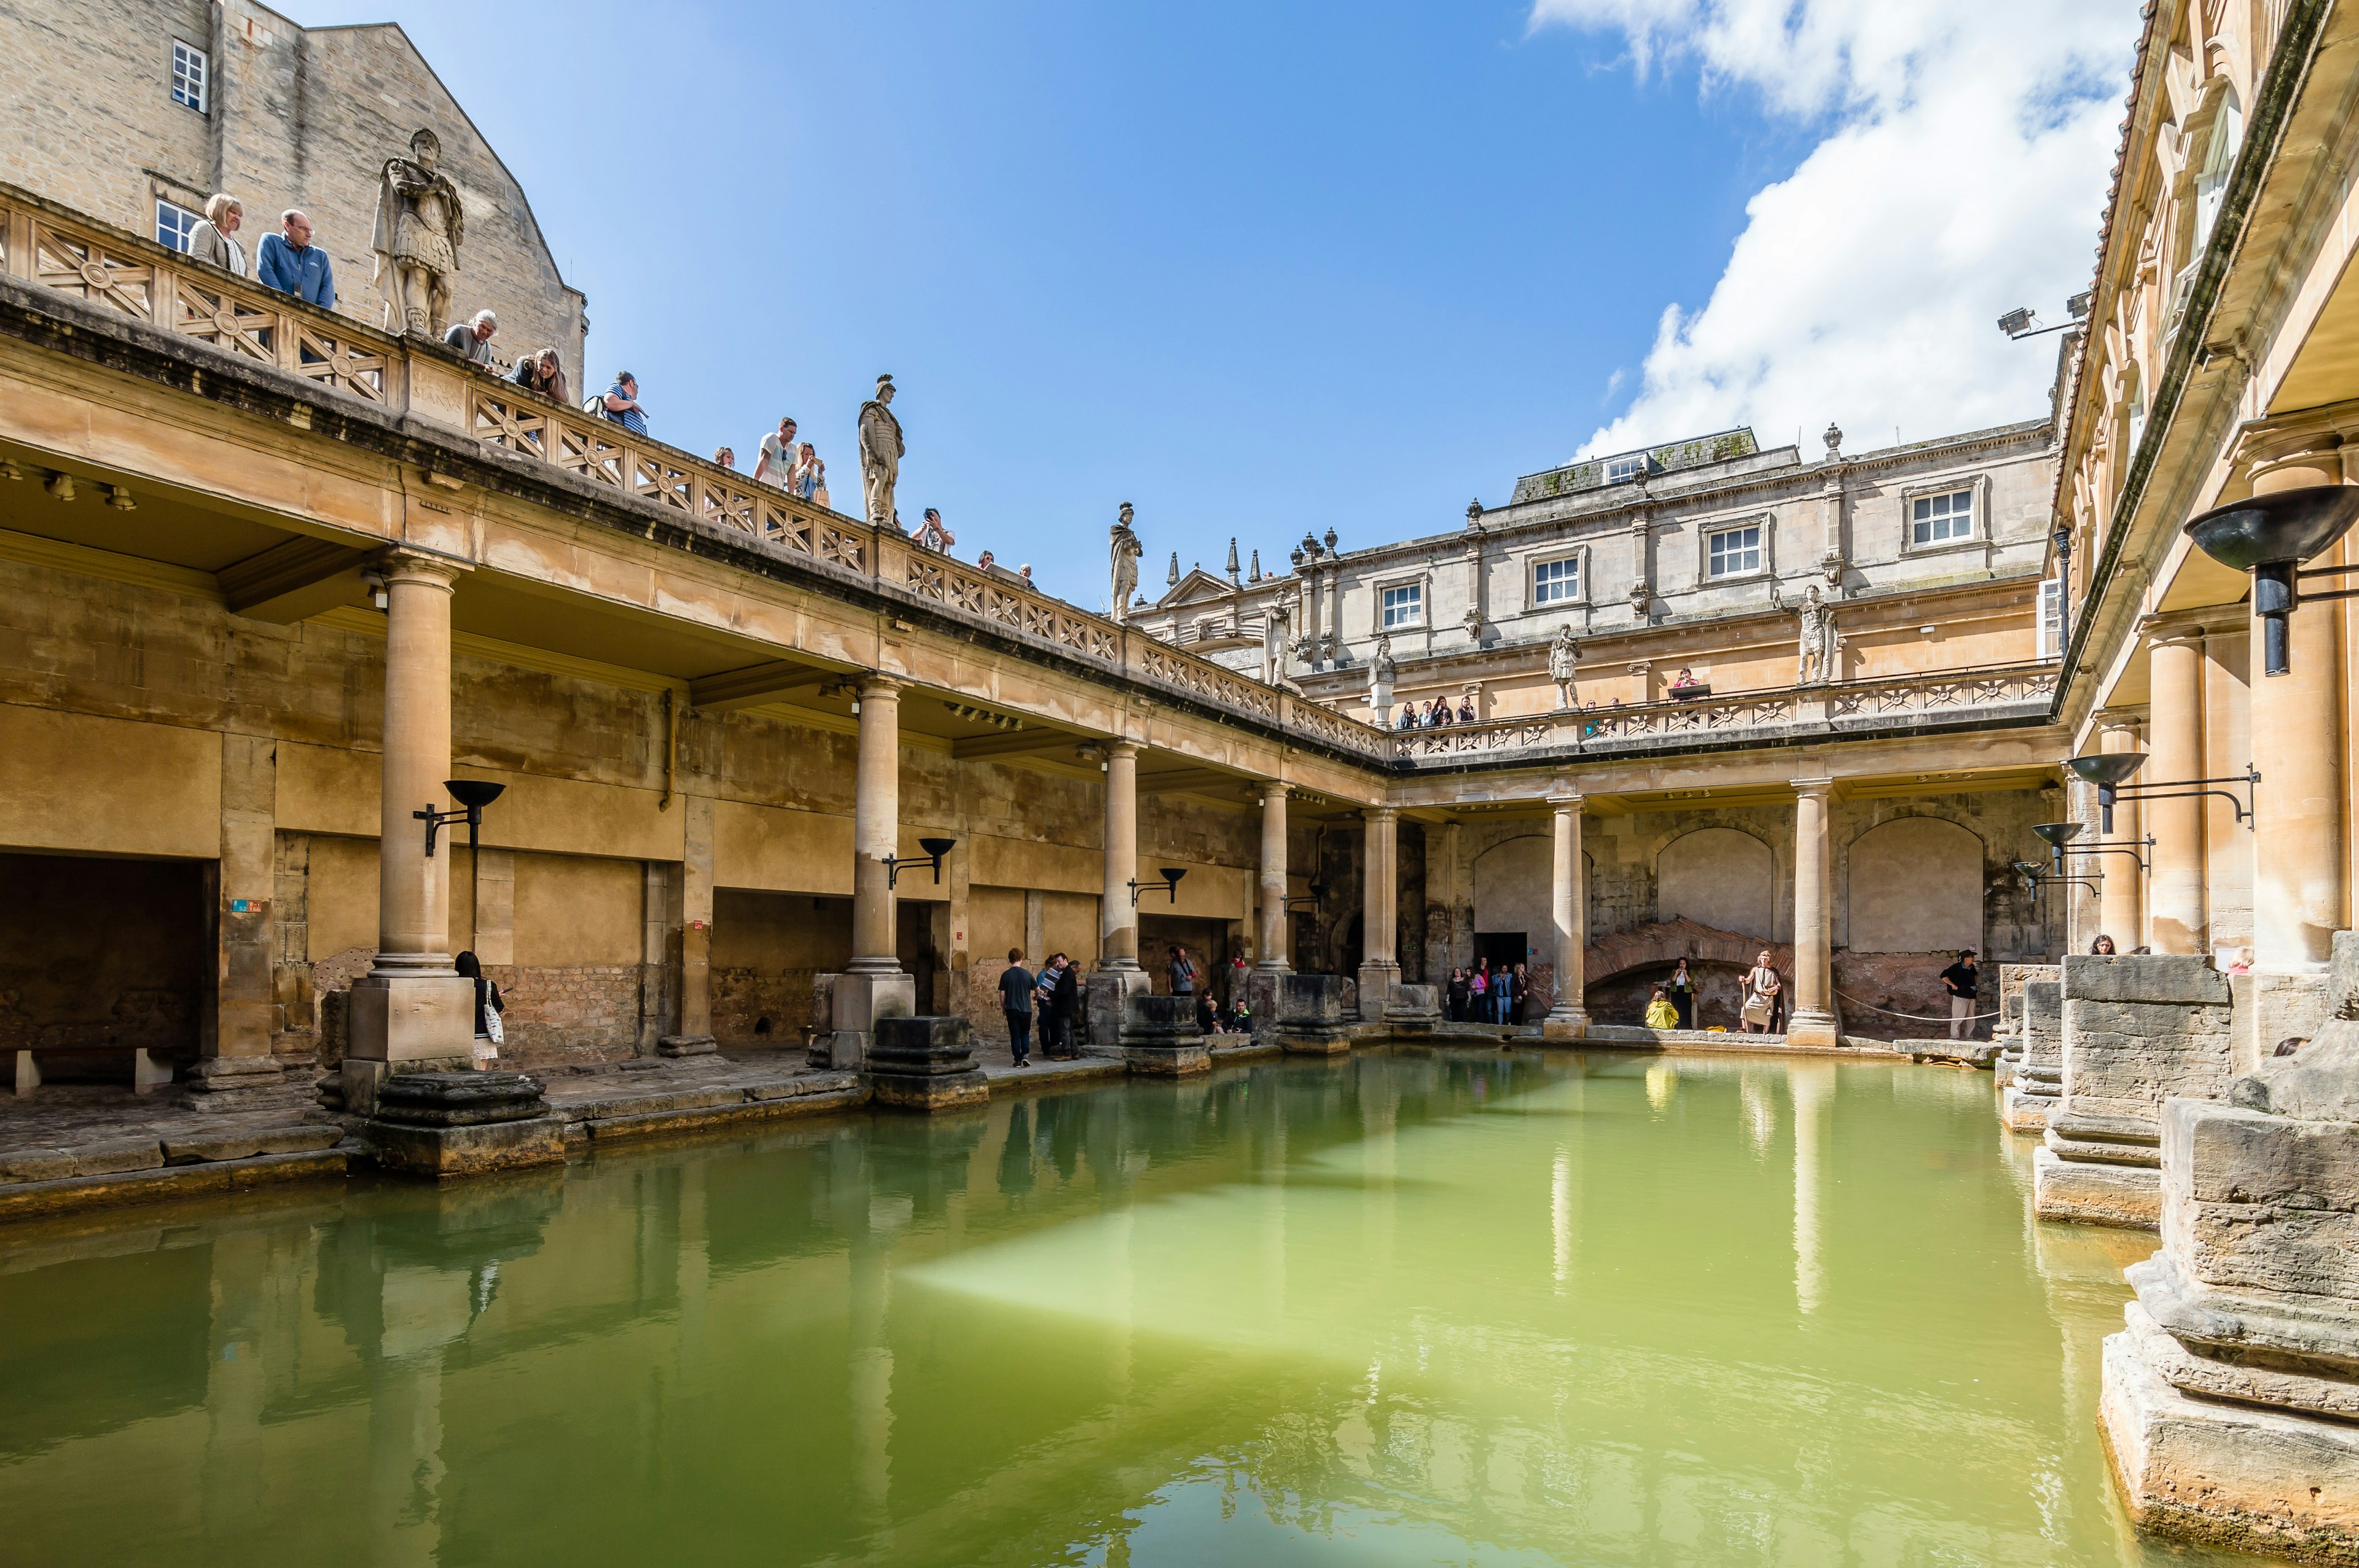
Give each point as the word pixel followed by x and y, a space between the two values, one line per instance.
pixel 2107 771
pixel 373 580
pixel 473 796
pixel 1298 904
pixel 2035 879
pixel 2057 835
pixel 935 848
pixel 1170 884
pixel 2270 536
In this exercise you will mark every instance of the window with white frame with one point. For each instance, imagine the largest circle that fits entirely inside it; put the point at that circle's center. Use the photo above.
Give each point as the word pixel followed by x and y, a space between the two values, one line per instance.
pixel 1938 519
pixel 1620 471
pixel 1556 582
pixel 1733 552
pixel 174 224
pixel 1404 605
pixel 189 73
pixel 2051 619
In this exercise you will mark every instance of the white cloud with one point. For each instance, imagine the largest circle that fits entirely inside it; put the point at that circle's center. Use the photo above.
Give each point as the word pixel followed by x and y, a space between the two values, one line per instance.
pixel 1963 173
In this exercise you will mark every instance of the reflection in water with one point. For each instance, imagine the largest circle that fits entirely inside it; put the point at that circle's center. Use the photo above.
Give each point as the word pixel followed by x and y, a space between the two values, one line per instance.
pixel 1299 1312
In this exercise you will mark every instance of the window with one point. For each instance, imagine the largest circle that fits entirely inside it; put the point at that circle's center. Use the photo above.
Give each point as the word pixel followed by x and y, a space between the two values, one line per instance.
pixel 1621 471
pixel 1556 582
pixel 1405 605
pixel 174 224
pixel 1735 551
pixel 2212 184
pixel 1936 519
pixel 2051 619
pixel 189 76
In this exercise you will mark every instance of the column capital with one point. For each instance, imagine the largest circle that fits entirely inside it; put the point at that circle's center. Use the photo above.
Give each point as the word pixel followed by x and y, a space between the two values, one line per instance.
pixel 1818 788
pixel 2188 625
pixel 1119 748
pixel 403 563
pixel 1275 789
pixel 1561 798
pixel 876 683
pixel 1380 812
pixel 2314 433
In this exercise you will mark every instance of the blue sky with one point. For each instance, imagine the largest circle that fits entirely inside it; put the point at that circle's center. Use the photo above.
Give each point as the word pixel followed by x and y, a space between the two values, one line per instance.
pixel 1256 267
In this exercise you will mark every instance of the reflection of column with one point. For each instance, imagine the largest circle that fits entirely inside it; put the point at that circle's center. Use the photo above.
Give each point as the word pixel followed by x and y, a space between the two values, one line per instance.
pixel 1569 1018
pixel 2120 896
pixel 1812 1021
pixel 1273 877
pixel 413 1009
pixel 250 1335
pixel 2175 715
pixel 871 1378
pixel 1379 914
pixel 1813 1085
pixel 2297 747
pixel 877 827
pixel 1118 908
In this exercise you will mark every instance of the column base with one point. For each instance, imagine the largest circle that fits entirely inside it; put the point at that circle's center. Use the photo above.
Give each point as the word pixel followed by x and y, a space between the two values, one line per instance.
pixel 1159 1039
pixel 2084 1192
pixel 226 1082
pixel 924 1064
pixel 2021 1110
pixel 1377 978
pixel 857 1000
pixel 403 1016
pixel 687 1045
pixel 444 1125
pixel 1813 1028
pixel 1565 1024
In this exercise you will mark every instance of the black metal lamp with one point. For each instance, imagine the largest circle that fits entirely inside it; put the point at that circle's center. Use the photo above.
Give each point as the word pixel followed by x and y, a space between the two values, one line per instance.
pixel 935 848
pixel 1170 884
pixel 2270 536
pixel 1296 904
pixel 473 796
pixel 2107 770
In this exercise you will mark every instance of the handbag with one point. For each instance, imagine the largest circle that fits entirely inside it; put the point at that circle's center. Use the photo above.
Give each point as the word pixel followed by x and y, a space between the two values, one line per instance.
pixel 492 1017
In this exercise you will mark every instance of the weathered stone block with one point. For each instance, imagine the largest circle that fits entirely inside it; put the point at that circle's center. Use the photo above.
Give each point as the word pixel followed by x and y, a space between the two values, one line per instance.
pixel 459 1100
pixel 117 1154
pixel 35 1165
pixel 444 1152
pixel 2258 1202
pixel 2086 1193
pixel 924 1064
pixel 246 1145
pixel 1312 998
pixel 1160 1038
pixel 2189 981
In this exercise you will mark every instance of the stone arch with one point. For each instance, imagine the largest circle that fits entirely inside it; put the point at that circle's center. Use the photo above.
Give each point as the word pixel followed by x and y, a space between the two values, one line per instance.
pixel 1723 878
pixel 1914 885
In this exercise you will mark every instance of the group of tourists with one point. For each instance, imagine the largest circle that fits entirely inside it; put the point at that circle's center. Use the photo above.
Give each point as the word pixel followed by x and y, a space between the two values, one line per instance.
pixel 1761 1000
pixel 1486 995
pixel 1054 996
pixel 1436 714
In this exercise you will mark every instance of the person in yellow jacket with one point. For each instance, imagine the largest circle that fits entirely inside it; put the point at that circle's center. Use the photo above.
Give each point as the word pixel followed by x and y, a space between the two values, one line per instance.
pixel 1660 1013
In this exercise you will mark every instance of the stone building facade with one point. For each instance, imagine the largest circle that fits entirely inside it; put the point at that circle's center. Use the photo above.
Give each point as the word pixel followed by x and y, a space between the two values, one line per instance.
pixel 136 111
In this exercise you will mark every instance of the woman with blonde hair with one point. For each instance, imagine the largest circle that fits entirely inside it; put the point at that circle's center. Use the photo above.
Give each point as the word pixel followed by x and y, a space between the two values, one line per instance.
pixel 210 240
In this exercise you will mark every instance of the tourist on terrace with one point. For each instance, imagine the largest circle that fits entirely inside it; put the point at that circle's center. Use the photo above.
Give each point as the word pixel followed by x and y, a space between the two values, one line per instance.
pixel 210 240
pixel 1765 993
pixel 1466 710
pixel 1183 971
pixel 1016 986
pixel 289 263
pixel 776 463
pixel 1682 990
pixel 489 1005
pixel 2102 946
pixel 1407 717
pixel 809 477
pixel 1024 571
pixel 725 456
pixel 933 536
pixel 1660 1013
pixel 1453 998
pixel 1961 977
pixel 474 337
pixel 543 373
pixel 622 404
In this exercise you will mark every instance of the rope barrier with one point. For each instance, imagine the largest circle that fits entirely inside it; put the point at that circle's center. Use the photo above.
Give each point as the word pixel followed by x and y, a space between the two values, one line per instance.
pixel 1912 1017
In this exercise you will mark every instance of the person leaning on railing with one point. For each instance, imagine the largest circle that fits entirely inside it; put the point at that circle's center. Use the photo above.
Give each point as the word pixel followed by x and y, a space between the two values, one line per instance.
pixel 474 337
pixel 211 241
pixel 289 263
pixel 621 404
pixel 543 373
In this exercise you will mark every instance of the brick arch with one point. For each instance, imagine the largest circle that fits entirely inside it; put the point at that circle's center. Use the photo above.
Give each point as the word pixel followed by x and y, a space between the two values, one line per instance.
pixel 1661 943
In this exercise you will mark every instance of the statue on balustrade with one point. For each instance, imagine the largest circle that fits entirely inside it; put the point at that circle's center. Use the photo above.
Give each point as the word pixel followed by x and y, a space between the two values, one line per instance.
pixel 1381 670
pixel 1276 641
pixel 1123 549
pixel 1819 649
pixel 1564 655
pixel 881 450
pixel 420 225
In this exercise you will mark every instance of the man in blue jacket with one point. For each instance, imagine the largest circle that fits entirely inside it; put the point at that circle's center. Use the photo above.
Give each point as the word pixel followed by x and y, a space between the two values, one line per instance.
pixel 289 263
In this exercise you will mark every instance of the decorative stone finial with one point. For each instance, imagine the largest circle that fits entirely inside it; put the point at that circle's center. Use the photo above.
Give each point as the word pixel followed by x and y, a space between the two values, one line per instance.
pixel 1172 576
pixel 1834 439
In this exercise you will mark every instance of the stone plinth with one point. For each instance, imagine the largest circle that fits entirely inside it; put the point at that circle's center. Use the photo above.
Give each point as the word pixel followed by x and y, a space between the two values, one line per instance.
pixel 1105 998
pixel 1413 1010
pixel 1314 1015
pixel 2231 1400
pixel 1377 978
pixel 924 1063
pixel 856 1002
pixel 2037 1088
pixel 1159 1037
pixel 2136 1032
pixel 462 1124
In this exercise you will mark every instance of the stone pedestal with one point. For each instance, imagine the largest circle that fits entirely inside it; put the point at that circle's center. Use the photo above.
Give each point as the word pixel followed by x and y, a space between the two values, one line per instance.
pixel 2231 1400
pixel 1412 1010
pixel 1160 1038
pixel 2037 1089
pixel 462 1124
pixel 1262 989
pixel 1105 998
pixel 1376 982
pixel 1312 1020
pixel 856 1003
pixel 687 1045
pixel 2136 1032
pixel 924 1064
pixel 228 1083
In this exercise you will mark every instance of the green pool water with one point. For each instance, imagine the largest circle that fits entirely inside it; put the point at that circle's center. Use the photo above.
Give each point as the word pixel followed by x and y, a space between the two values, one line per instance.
pixel 1407 1308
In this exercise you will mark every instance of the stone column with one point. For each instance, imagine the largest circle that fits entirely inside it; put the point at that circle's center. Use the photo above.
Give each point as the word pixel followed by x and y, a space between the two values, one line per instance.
pixel 874 985
pixel 1569 1018
pixel 2175 716
pixel 2298 746
pixel 1379 906
pixel 1273 877
pixel 412 1011
pixel 2121 901
pixel 236 1033
pixel 1811 1020
pixel 1118 976
pixel 695 1036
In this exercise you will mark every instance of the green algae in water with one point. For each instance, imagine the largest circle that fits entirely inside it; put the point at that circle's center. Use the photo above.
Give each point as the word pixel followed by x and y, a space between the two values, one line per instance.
pixel 1404 1308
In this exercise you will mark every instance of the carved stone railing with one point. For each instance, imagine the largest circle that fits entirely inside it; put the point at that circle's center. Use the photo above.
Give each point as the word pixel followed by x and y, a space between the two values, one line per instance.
pixel 2019 692
pixel 113 270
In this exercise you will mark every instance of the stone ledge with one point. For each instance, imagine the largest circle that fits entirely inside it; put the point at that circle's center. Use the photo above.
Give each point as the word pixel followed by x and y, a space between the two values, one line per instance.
pixel 632 1126
pixel 2128 1196
pixel 2187 981
pixel 32 1199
